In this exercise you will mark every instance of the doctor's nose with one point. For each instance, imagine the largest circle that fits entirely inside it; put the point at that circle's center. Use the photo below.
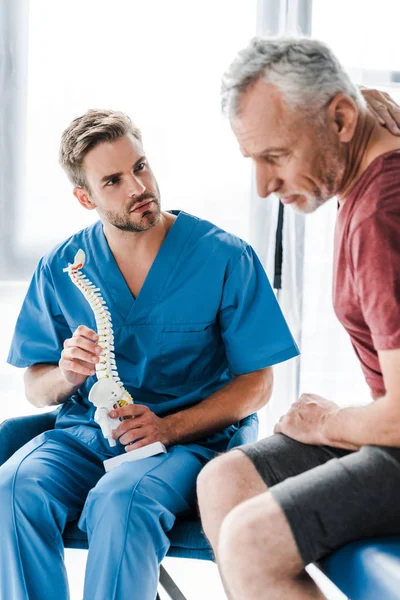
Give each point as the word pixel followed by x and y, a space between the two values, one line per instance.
pixel 266 183
pixel 135 187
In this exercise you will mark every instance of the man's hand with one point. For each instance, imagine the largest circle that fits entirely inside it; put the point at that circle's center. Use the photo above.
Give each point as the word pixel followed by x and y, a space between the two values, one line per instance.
pixel 384 109
pixel 79 356
pixel 140 426
pixel 306 419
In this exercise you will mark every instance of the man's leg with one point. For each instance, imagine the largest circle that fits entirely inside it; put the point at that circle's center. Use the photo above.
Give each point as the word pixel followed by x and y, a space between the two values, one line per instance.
pixel 258 555
pixel 127 516
pixel 266 542
pixel 223 484
pixel 229 489
pixel 42 486
pixel 244 473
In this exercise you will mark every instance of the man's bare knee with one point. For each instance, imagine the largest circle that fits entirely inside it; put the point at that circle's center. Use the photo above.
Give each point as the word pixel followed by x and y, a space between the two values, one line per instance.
pixel 230 474
pixel 258 530
pixel 223 484
pixel 214 474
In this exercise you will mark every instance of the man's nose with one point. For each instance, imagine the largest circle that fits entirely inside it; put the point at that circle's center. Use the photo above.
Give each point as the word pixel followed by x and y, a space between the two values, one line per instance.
pixel 267 182
pixel 135 186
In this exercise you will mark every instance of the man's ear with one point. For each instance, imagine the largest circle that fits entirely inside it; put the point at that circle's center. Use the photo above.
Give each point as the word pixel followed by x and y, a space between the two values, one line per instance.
pixel 342 117
pixel 83 198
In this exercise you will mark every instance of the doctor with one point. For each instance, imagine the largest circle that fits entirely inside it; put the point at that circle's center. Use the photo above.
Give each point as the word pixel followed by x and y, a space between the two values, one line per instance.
pixel 196 328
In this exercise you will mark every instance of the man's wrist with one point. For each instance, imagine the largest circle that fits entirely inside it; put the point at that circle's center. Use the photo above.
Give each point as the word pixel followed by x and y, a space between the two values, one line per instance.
pixel 329 426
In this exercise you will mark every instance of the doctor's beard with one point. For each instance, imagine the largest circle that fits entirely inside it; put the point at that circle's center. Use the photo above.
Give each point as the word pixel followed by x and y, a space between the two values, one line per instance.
pixel 143 221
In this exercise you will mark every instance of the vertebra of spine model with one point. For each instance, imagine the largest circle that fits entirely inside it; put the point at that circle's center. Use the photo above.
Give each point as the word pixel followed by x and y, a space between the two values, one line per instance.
pixel 108 392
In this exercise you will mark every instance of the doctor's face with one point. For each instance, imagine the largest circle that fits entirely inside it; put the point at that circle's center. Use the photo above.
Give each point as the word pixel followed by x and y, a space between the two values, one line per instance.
pixel 121 184
pixel 302 162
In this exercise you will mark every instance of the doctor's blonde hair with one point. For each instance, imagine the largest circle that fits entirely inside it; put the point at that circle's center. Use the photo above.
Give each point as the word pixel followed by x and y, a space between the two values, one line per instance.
pixel 86 132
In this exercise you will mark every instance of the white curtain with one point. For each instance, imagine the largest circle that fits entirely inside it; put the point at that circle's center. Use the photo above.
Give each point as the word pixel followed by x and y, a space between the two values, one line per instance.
pixel 278 18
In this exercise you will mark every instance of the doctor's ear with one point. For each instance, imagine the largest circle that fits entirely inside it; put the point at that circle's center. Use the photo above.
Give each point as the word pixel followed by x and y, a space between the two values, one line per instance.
pixel 83 198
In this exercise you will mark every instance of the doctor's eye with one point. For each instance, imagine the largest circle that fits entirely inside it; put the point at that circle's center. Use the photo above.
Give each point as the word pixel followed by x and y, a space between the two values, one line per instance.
pixel 140 166
pixel 112 181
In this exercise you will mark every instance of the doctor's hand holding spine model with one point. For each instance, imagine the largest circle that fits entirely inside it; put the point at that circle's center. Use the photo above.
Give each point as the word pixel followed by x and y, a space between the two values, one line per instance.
pixel 196 329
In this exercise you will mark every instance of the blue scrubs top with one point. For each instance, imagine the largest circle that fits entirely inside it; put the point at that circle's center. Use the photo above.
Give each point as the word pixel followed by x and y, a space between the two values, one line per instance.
pixel 206 312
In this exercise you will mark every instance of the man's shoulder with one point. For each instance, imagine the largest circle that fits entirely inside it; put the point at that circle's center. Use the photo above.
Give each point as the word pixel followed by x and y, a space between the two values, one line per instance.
pixel 379 193
pixel 65 251
pixel 385 169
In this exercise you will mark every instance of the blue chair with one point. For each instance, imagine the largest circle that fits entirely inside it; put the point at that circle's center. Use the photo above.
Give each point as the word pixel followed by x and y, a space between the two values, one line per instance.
pixel 362 570
pixel 366 569
pixel 187 538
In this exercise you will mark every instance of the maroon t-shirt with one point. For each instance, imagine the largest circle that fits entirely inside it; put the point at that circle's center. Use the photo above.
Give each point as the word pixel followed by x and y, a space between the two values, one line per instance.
pixel 366 271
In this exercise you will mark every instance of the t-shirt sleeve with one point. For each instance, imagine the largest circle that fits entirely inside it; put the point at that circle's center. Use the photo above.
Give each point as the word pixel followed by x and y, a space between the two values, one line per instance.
pixel 41 329
pixel 375 254
pixel 253 327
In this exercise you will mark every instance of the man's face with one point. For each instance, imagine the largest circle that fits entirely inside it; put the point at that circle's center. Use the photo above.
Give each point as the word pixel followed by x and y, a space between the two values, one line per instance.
pixel 301 161
pixel 121 184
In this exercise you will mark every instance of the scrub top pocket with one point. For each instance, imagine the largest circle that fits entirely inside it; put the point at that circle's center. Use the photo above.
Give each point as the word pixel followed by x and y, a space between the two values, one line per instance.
pixel 189 354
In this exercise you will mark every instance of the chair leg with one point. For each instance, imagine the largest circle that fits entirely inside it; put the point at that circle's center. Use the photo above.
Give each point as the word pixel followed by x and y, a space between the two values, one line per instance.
pixel 170 586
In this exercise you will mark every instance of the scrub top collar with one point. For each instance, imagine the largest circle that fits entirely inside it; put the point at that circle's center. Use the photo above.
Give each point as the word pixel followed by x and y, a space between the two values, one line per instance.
pixel 129 308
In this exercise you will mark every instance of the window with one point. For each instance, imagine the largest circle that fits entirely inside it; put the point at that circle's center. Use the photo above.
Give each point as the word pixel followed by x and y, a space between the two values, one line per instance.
pixel 364 38
pixel 159 62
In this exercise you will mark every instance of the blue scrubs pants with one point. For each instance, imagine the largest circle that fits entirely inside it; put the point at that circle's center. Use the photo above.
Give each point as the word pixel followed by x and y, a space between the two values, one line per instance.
pixel 126 514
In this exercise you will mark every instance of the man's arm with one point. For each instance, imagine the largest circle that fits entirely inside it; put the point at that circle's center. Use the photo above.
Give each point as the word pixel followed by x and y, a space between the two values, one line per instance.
pixel 49 385
pixel 315 420
pixel 376 424
pixel 241 397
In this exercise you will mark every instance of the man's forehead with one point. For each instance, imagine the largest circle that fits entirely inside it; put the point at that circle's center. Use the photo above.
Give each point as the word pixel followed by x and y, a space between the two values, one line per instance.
pixel 113 154
pixel 263 119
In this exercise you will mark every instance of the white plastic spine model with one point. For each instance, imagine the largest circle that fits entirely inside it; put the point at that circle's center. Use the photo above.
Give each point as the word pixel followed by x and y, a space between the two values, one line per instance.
pixel 108 392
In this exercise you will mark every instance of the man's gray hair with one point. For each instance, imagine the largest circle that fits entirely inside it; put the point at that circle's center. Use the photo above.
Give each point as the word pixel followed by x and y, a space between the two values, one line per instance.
pixel 305 71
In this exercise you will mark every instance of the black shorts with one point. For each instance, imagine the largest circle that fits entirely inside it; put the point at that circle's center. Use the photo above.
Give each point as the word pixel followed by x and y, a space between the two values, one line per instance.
pixel 330 496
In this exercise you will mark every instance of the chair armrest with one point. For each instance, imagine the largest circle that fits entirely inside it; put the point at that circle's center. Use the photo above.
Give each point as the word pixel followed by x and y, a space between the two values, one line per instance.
pixel 14 433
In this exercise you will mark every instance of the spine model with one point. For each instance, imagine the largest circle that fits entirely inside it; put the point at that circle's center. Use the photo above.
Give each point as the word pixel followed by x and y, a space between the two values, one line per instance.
pixel 108 392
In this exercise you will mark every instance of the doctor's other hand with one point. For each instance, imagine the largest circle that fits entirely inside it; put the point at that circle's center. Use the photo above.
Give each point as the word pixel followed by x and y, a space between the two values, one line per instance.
pixel 79 356
pixel 384 109
pixel 306 418
pixel 142 427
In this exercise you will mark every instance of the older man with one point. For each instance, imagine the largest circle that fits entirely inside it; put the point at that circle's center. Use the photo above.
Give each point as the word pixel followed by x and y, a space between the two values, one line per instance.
pixel 328 475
